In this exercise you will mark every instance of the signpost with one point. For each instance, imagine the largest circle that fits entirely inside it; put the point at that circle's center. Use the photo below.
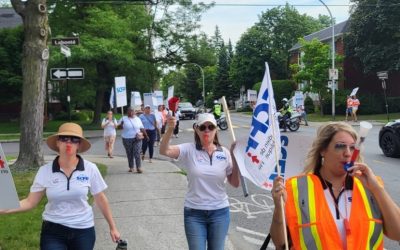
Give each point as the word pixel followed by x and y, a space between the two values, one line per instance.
pixel 383 75
pixel 65 41
pixel 67 73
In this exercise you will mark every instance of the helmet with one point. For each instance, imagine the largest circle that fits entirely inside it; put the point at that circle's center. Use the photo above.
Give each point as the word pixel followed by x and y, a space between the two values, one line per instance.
pixel 284 100
pixel 215 102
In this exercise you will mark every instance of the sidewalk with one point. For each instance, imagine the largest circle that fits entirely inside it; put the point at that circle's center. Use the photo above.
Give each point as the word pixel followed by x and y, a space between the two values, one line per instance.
pixel 147 208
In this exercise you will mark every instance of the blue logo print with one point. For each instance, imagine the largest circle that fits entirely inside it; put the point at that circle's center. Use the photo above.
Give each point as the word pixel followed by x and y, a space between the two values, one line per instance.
pixel 82 178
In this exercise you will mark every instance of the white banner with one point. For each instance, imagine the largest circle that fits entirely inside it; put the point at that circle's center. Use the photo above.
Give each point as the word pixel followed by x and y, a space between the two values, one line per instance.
pixel 136 100
pixel 170 92
pixel 263 148
pixel 251 95
pixel 298 99
pixel 112 98
pixel 354 91
pixel 159 97
pixel 8 194
pixel 120 87
pixel 149 99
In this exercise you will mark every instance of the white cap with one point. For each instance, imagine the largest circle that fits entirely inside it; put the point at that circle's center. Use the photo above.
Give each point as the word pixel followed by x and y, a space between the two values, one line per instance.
pixel 205 117
pixel 147 106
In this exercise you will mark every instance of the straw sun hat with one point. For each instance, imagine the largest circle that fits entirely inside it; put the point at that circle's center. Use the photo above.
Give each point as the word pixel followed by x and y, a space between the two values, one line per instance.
pixel 69 129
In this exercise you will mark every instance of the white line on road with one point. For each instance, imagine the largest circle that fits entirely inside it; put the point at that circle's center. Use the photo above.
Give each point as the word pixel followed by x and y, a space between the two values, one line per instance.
pixel 245 230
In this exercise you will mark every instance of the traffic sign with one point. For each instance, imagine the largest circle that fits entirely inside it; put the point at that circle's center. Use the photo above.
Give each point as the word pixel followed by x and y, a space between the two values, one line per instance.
pixel 65 41
pixel 67 73
pixel 65 50
pixel 333 74
pixel 382 75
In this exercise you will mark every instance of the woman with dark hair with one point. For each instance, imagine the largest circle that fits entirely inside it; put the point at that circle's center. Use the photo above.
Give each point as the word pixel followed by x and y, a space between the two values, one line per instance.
pixel 208 165
pixel 68 221
pixel 329 208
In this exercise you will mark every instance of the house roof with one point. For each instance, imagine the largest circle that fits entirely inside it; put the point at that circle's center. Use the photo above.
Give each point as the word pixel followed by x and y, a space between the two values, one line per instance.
pixel 9 18
pixel 325 34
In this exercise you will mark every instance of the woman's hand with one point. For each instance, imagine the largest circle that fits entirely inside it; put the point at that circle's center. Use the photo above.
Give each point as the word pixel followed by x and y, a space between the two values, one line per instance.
pixel 278 190
pixel 365 174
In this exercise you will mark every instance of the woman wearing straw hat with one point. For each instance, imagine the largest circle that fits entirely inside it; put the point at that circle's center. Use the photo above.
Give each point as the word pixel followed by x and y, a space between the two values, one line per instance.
pixel 68 218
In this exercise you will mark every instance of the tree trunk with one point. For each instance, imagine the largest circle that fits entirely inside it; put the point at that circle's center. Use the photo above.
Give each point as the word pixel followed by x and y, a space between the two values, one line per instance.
pixel 99 104
pixel 34 71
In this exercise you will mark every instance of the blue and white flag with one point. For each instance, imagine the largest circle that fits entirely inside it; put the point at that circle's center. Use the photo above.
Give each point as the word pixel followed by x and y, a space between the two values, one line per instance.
pixel 112 98
pixel 259 155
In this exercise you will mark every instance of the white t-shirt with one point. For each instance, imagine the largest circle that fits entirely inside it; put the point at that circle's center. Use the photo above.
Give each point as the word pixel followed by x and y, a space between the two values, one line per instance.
pixel 159 119
pixel 68 199
pixel 131 127
pixel 109 129
pixel 206 176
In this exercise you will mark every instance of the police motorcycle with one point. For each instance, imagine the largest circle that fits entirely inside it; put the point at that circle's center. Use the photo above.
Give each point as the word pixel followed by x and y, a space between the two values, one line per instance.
pixel 292 123
pixel 221 122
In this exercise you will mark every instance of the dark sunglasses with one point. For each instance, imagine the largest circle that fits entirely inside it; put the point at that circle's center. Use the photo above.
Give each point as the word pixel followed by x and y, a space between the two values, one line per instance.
pixel 343 146
pixel 204 127
pixel 72 139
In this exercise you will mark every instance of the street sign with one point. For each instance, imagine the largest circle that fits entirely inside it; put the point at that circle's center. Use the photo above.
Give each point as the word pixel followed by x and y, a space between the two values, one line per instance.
pixel 333 74
pixel 65 50
pixel 65 41
pixel 383 75
pixel 67 73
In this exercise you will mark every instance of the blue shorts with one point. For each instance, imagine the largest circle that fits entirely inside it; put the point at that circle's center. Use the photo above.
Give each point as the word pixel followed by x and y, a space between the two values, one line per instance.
pixel 349 110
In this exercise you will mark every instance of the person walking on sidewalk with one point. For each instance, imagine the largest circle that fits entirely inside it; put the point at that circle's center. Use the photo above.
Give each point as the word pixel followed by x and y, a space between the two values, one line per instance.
pixel 68 221
pixel 208 165
pixel 150 125
pixel 354 107
pixel 132 126
pixel 109 124
pixel 349 105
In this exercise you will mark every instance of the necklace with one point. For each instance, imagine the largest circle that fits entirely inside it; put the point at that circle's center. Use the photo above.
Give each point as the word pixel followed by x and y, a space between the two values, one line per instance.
pixel 345 218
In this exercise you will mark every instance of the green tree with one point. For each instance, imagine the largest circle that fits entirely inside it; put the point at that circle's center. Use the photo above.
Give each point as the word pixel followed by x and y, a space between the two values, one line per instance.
pixel 374 35
pixel 270 39
pixel 313 68
pixel 35 57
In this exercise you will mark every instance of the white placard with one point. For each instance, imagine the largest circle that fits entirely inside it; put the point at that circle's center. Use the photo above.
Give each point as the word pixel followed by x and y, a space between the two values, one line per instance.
pixel 251 95
pixel 149 99
pixel 120 89
pixel 136 100
pixel 298 99
pixel 8 194
pixel 159 97
pixel 354 91
pixel 170 92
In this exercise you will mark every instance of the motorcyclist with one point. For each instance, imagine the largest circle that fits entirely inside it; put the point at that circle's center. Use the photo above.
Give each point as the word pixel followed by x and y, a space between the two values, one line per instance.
pixel 286 112
pixel 216 110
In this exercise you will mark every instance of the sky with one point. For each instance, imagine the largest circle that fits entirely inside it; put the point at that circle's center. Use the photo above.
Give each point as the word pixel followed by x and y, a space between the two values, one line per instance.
pixel 234 17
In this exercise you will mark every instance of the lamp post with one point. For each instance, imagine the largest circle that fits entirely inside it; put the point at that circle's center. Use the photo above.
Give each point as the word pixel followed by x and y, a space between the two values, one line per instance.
pixel 333 59
pixel 202 75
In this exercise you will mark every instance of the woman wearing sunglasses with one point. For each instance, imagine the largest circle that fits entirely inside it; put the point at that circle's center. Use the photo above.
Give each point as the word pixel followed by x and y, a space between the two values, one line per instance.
pixel 68 221
pixel 208 165
pixel 330 208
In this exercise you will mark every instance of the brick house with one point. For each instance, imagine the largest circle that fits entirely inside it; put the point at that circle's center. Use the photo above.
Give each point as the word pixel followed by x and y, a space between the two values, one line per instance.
pixel 351 76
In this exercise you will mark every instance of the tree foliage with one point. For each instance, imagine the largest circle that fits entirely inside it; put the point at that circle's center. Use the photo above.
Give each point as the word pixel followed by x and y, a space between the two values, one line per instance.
pixel 270 39
pixel 374 34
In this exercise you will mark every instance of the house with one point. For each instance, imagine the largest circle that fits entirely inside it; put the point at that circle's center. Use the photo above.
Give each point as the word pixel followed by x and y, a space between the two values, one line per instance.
pixel 352 76
pixel 9 18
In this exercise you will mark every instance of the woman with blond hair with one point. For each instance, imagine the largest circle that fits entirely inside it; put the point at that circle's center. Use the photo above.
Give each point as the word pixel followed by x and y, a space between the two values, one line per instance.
pixel 329 208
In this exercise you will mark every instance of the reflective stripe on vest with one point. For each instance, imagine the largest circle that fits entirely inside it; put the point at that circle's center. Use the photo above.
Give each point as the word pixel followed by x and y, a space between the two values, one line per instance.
pixel 310 227
pixel 306 203
pixel 375 232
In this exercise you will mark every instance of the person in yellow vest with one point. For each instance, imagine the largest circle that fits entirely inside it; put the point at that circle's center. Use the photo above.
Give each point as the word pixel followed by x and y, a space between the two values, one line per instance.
pixel 217 109
pixel 329 208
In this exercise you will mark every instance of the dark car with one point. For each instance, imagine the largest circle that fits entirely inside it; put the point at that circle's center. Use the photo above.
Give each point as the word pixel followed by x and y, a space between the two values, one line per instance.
pixel 187 110
pixel 389 139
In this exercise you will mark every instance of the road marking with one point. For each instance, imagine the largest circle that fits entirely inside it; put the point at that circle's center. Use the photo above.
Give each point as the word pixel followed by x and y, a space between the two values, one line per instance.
pixel 245 230
pixel 252 240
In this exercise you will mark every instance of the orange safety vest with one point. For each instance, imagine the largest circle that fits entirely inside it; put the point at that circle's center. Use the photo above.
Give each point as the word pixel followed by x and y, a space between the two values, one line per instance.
pixel 312 225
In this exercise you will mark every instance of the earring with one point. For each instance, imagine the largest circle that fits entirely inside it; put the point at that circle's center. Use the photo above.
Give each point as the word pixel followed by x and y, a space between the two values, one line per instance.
pixel 322 160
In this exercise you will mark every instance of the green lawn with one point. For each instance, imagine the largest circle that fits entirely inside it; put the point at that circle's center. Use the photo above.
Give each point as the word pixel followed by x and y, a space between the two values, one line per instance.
pixel 22 230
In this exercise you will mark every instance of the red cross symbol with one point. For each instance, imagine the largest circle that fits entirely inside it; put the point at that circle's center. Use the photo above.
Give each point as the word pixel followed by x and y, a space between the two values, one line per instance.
pixel 1 163
pixel 253 157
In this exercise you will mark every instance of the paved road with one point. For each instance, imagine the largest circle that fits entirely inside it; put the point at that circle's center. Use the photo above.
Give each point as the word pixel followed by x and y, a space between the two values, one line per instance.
pixel 251 216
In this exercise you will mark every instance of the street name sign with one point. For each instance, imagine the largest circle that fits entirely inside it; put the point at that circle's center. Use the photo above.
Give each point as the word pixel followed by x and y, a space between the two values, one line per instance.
pixel 67 73
pixel 65 41
pixel 383 75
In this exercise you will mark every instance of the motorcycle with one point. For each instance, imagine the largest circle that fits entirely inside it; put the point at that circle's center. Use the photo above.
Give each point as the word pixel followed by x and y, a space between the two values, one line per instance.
pixel 292 123
pixel 222 123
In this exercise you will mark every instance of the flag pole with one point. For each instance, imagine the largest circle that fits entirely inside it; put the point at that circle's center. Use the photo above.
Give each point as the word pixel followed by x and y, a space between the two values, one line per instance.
pixel 279 174
pixel 228 118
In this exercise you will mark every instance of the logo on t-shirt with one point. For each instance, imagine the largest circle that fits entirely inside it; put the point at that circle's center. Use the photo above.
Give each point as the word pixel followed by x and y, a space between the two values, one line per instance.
pixel 82 178
pixel 221 157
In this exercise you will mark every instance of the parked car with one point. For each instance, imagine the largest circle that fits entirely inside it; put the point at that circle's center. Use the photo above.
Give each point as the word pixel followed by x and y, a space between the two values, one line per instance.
pixel 389 139
pixel 187 110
